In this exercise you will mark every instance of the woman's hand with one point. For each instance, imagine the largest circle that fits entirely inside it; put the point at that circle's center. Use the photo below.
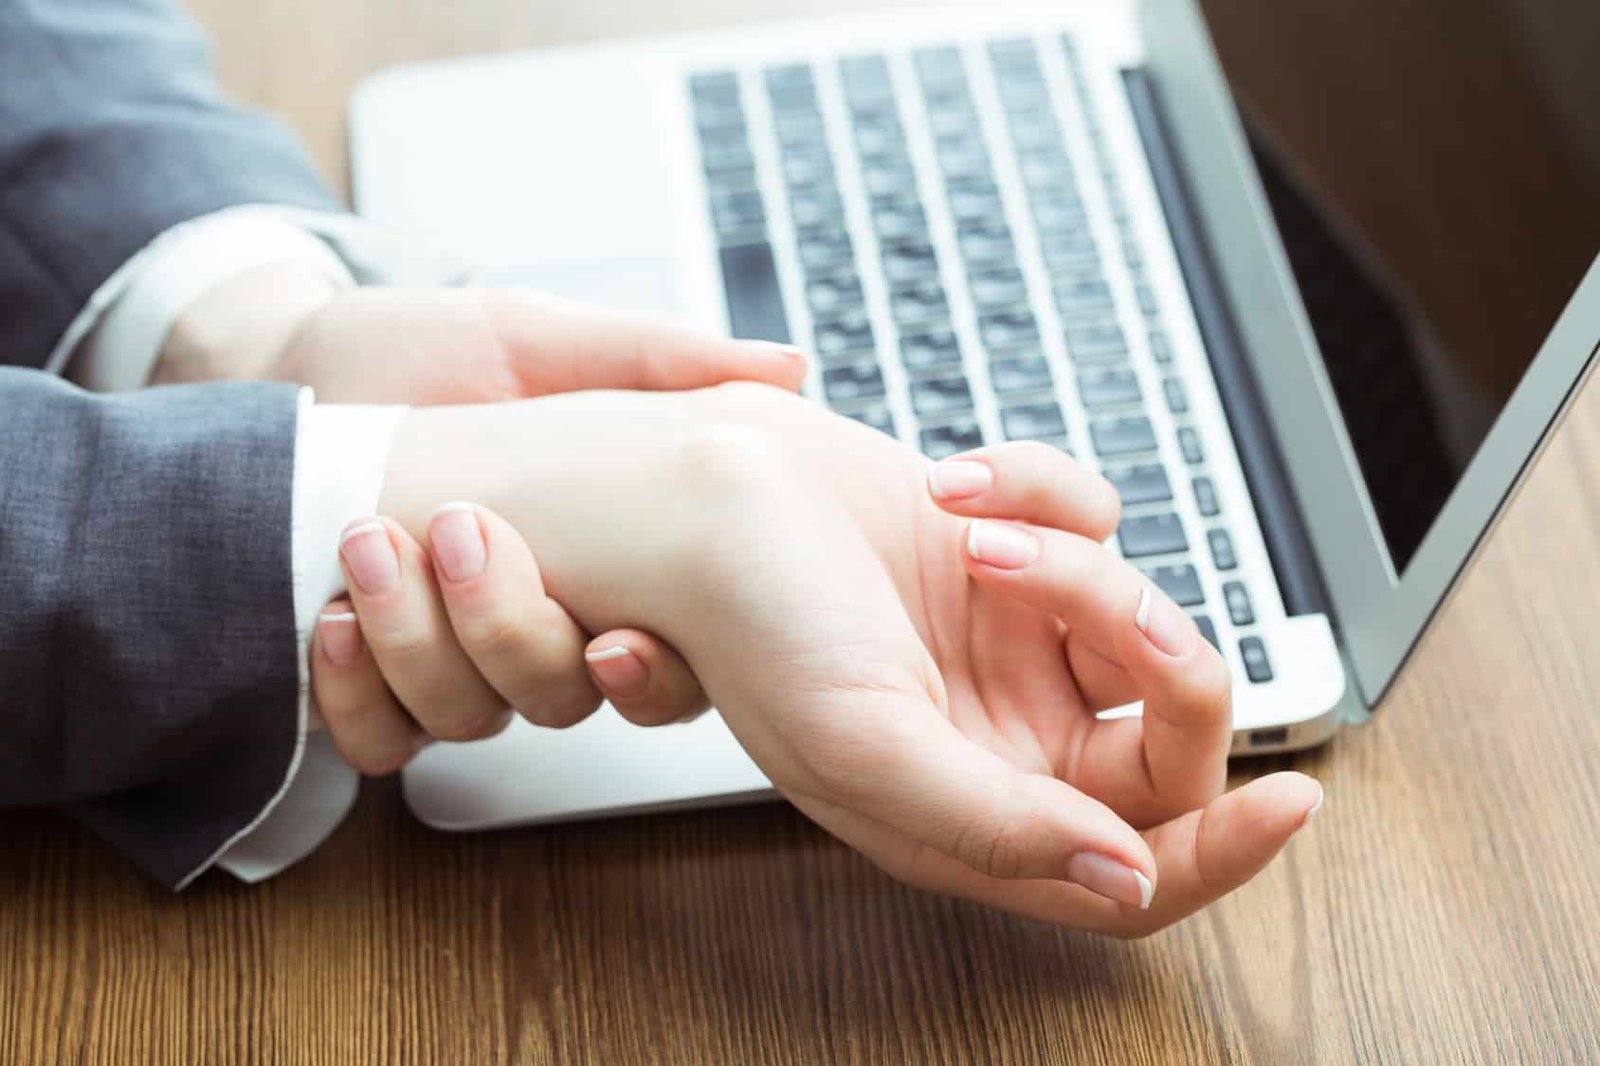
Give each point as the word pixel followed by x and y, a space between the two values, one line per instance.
pixel 923 686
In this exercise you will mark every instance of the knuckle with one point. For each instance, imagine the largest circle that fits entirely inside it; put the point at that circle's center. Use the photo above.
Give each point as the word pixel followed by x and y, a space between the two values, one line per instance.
pixel 458 729
pixel 559 713
pixel 497 631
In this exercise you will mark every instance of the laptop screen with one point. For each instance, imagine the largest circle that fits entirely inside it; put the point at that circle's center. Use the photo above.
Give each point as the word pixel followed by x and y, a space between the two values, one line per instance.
pixel 1434 170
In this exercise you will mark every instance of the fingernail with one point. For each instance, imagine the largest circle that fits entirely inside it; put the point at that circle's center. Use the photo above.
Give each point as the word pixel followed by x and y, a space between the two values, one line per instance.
pixel 775 350
pixel 617 670
pixel 457 541
pixel 1109 878
pixel 1000 545
pixel 1315 807
pixel 956 479
pixel 341 637
pixel 1163 623
pixel 370 556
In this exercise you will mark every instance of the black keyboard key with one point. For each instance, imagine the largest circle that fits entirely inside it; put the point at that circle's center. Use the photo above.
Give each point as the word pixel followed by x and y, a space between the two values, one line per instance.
pixel 1140 483
pixel 930 351
pixel 842 384
pixel 825 296
pixel 1021 373
pixel 1159 347
pixel 1156 534
pixel 1122 436
pixel 1240 613
pixel 1205 497
pixel 1008 329
pixel 937 396
pixel 1207 630
pixel 1107 388
pixel 1179 582
pixel 1189 445
pixel 843 340
pixel 875 415
pixel 826 252
pixel 1177 399
pixel 1222 555
pixel 939 442
pixel 1256 665
pixel 904 263
pixel 750 284
pixel 998 288
pixel 1034 421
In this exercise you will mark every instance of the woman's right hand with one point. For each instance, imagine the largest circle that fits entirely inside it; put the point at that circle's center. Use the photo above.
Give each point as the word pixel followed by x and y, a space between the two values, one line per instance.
pixel 922 685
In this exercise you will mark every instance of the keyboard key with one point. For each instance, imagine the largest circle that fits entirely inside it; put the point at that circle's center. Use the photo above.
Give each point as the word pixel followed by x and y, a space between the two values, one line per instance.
pixel 791 87
pixel 841 384
pixel 1156 534
pixel 1141 483
pixel 1023 373
pixel 1177 399
pixel 985 249
pixel 1122 436
pixel 825 251
pixel 888 178
pixel 1095 343
pixel 816 207
pixel 1207 630
pixel 1179 582
pixel 970 207
pixel 1205 497
pixel 937 396
pixel 750 285
pixel 902 222
pixel 1033 421
pixel 800 131
pixel 1189 445
pixel 1159 348
pixel 1256 666
pixel 1060 215
pixel 717 87
pixel 866 78
pixel 919 305
pixel 1222 549
pixel 941 441
pixel 724 154
pixel 826 295
pixel 1106 388
pixel 1079 291
pixel 998 288
pixel 1008 329
pixel 938 66
pixel 930 351
pixel 1240 613
pixel 836 341
pixel 808 169
pixel 875 415
pixel 904 263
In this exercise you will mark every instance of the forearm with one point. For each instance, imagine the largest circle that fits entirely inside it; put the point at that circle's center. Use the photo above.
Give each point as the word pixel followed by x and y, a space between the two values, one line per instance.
pixel 148 651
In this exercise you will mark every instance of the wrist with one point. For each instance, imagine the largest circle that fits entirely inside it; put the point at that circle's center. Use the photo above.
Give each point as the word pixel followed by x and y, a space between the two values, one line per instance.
pixel 239 329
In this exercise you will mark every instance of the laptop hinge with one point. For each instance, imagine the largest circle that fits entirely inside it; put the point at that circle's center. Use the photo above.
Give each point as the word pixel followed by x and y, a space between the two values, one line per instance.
pixel 1282 526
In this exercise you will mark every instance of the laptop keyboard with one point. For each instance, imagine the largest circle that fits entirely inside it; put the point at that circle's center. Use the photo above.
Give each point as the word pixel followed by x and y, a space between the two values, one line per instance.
pixel 944 261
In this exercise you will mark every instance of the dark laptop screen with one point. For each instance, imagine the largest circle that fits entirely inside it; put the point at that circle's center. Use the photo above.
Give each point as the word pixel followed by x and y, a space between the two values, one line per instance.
pixel 1434 168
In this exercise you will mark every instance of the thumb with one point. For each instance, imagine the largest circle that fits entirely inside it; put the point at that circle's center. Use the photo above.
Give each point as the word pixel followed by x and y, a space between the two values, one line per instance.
pixel 555 346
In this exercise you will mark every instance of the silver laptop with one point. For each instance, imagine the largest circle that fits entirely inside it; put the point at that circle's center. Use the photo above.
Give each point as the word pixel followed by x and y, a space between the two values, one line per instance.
pixel 1310 284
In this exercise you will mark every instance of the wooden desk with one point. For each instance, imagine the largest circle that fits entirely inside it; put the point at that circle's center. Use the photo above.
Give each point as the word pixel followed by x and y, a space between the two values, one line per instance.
pixel 1443 908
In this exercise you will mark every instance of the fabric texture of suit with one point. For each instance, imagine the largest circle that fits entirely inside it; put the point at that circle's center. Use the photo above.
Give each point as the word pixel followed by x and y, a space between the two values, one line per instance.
pixel 148 657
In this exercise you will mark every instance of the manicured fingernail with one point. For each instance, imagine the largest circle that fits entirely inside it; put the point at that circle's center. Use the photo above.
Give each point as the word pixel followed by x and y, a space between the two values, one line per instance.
pixel 370 557
pixel 1109 878
pixel 1315 807
pixel 957 479
pixel 341 637
pixel 1000 545
pixel 457 542
pixel 775 350
pixel 617 670
pixel 1163 623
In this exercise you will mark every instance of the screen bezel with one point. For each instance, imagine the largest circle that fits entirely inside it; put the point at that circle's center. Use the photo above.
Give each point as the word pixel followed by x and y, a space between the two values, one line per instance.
pixel 1379 613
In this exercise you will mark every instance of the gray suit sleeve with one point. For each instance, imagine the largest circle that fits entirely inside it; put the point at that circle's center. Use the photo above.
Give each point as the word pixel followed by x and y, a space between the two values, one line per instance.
pixel 148 658
pixel 113 130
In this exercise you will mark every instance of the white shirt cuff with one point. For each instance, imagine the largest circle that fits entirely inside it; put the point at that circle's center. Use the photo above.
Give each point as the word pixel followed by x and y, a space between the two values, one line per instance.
pixel 341 453
pixel 112 345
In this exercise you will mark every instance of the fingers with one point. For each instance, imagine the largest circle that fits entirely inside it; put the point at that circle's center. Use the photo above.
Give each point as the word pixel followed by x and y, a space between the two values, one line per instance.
pixel 568 348
pixel 1201 856
pixel 647 682
pixel 1030 482
pixel 908 768
pixel 369 727
pixel 524 644
pixel 1175 757
pixel 410 637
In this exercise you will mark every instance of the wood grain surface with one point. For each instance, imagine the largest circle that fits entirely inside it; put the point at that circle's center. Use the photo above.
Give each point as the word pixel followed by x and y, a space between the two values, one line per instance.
pixel 1443 908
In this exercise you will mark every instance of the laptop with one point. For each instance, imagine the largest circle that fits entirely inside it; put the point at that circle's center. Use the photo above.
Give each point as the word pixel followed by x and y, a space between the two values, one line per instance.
pixel 1310 284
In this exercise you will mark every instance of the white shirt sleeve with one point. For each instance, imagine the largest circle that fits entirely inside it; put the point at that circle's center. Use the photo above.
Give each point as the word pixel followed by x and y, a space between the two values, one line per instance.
pixel 341 452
